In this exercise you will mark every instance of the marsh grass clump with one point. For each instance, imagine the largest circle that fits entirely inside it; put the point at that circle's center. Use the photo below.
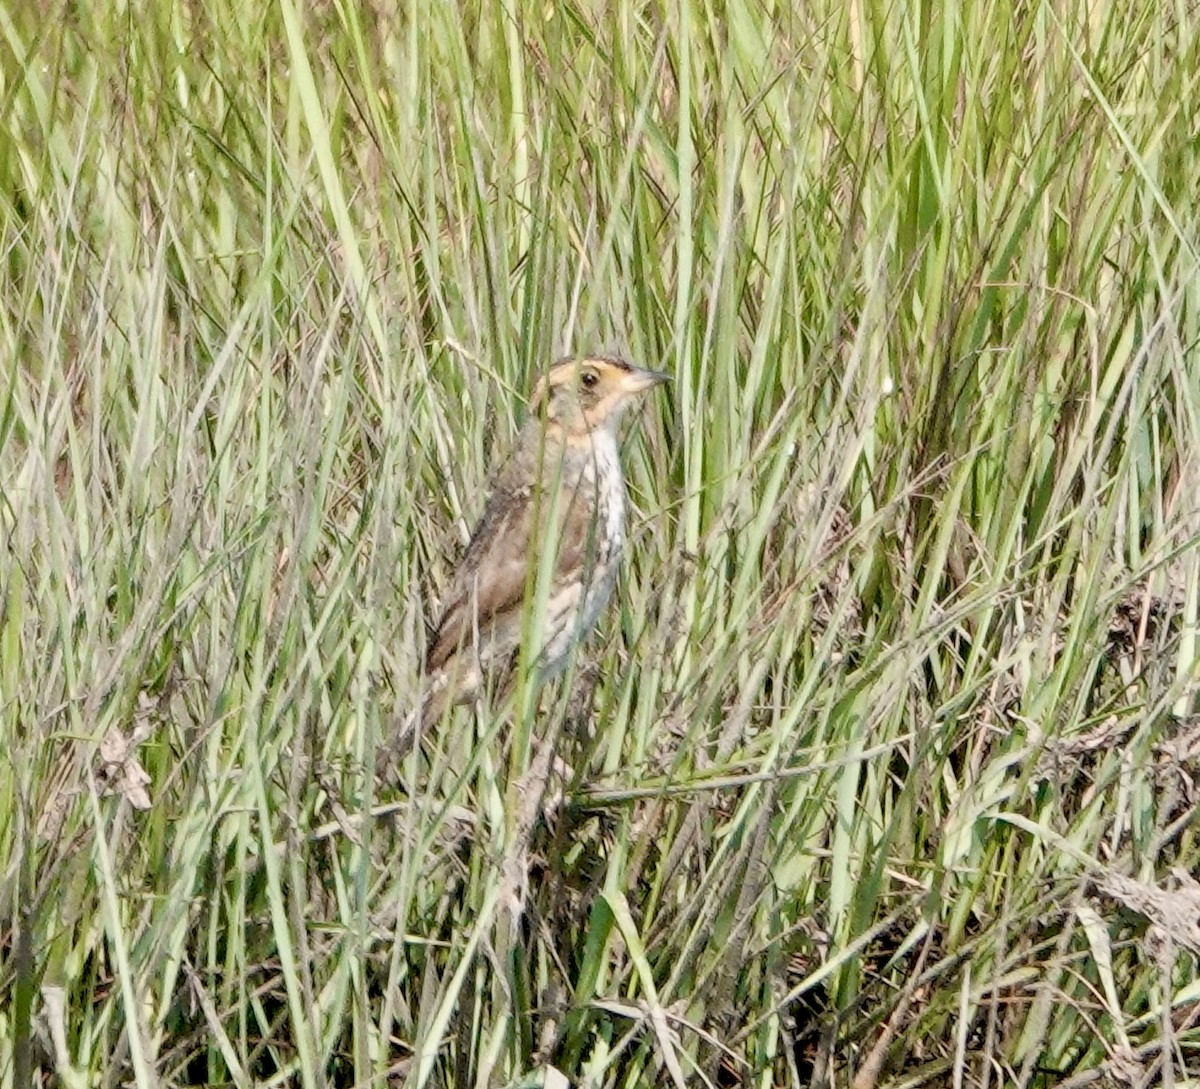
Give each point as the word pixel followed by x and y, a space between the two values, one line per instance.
pixel 882 768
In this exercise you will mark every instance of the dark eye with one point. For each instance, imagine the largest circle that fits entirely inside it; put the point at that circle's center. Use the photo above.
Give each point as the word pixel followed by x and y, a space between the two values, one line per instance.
pixel 589 379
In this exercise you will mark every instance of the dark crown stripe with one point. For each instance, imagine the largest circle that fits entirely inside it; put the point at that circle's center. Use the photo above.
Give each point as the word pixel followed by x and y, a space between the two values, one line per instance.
pixel 611 360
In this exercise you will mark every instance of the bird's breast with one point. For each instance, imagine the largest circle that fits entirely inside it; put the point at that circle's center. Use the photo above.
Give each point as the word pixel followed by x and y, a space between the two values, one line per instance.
pixel 577 602
pixel 610 491
pixel 609 530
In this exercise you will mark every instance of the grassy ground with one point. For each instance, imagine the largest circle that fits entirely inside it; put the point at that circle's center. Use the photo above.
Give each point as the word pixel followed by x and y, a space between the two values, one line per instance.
pixel 884 770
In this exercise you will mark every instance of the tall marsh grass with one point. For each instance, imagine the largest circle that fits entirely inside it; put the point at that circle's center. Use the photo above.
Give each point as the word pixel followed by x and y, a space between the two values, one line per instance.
pixel 883 771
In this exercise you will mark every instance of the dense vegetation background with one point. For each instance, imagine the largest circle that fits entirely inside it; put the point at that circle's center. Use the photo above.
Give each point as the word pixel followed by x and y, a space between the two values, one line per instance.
pixel 883 772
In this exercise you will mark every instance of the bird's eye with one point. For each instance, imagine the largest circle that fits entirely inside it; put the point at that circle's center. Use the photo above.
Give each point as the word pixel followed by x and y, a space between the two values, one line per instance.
pixel 589 379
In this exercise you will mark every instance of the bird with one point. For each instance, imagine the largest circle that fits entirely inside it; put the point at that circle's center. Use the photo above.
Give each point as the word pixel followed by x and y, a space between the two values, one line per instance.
pixel 559 499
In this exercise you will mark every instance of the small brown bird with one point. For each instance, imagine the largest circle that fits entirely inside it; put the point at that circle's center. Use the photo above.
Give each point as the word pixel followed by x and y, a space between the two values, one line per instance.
pixel 560 499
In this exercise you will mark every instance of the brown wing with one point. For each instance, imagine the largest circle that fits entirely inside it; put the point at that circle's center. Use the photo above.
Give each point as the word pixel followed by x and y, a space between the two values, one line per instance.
pixel 491 576
pixel 494 571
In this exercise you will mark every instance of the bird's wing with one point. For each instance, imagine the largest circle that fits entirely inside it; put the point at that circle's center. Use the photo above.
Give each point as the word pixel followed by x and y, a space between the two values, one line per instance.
pixel 491 578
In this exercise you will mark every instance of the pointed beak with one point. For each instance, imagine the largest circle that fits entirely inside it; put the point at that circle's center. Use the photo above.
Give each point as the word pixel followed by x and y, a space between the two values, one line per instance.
pixel 638 380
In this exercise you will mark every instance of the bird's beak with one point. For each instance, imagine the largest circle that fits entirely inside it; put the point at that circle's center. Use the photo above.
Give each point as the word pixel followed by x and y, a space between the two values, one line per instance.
pixel 638 380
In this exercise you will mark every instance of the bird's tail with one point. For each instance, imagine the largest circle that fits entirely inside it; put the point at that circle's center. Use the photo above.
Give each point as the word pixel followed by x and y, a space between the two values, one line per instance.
pixel 434 701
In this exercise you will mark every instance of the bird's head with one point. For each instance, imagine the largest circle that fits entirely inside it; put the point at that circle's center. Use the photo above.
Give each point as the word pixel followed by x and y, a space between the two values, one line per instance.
pixel 589 394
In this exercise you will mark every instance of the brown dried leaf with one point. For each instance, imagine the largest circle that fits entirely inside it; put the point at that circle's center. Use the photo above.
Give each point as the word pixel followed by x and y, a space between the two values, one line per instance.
pixel 121 772
pixel 1175 911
